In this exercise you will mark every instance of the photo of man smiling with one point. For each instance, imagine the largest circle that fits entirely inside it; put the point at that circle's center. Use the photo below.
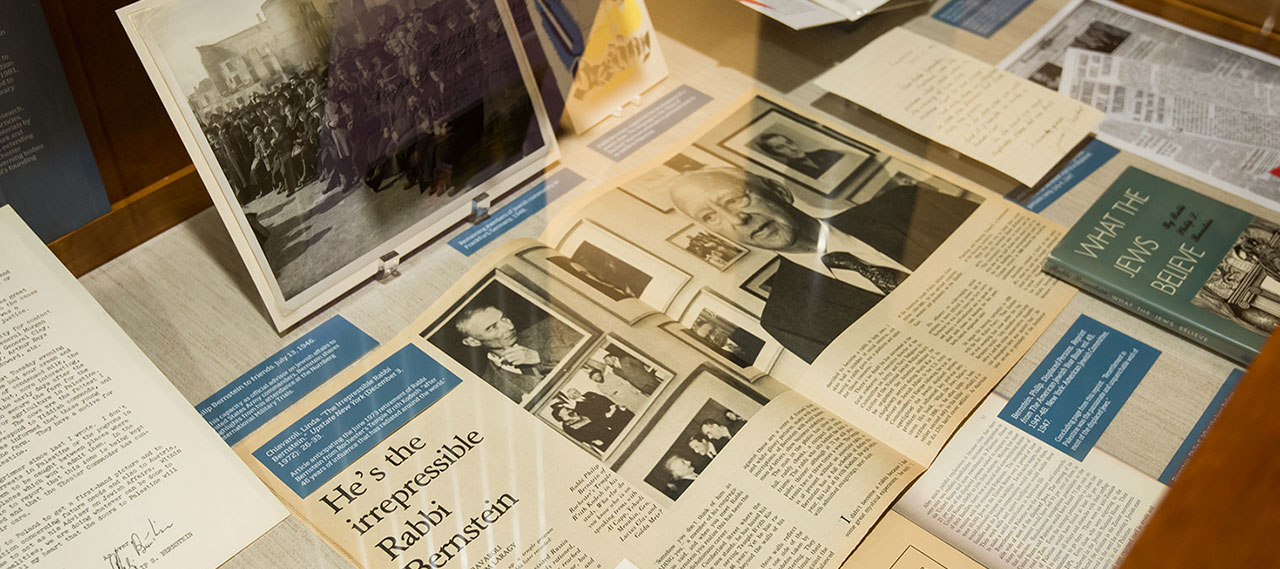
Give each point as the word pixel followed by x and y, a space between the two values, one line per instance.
pixel 832 270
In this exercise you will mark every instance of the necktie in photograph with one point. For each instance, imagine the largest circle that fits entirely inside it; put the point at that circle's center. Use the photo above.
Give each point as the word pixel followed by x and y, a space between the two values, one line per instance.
pixel 885 278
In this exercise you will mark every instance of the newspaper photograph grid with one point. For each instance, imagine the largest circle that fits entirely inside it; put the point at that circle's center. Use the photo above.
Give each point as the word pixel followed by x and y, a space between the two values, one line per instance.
pixel 338 125
pixel 590 382
pixel 1239 154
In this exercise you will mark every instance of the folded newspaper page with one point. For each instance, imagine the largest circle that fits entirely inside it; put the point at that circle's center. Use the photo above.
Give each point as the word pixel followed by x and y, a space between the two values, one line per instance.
pixel 859 277
pixel 740 354
pixel 1225 145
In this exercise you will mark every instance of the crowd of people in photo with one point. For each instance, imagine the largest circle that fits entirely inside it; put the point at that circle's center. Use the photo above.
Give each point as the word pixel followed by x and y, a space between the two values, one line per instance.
pixel 404 102
pixel 268 143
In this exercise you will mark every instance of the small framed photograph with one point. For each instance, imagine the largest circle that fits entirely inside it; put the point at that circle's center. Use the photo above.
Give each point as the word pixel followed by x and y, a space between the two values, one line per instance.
pixel 511 338
pixel 598 402
pixel 806 155
pixel 623 266
pixel 709 247
pixel 692 427
pixel 721 327
pixel 760 284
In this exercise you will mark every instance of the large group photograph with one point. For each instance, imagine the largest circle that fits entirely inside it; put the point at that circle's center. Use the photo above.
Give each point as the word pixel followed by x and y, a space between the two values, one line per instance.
pixel 335 127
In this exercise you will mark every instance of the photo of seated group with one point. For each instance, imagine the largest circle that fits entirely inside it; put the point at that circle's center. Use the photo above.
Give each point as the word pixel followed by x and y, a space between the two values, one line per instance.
pixel 658 422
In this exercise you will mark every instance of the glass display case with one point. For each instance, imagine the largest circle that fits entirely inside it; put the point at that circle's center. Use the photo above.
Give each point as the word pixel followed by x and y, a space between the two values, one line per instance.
pixel 646 284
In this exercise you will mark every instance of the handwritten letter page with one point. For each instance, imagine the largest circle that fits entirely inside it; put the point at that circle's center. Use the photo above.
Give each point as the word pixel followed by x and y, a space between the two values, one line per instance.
pixel 103 462
pixel 1009 123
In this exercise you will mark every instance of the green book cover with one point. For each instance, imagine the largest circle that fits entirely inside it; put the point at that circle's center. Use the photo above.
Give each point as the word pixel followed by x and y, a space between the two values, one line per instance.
pixel 1190 263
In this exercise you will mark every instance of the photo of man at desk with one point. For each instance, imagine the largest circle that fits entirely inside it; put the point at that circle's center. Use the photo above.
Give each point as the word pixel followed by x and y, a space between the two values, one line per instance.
pixel 832 270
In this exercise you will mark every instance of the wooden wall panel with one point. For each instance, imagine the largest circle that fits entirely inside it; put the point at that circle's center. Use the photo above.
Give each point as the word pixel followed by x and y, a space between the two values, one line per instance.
pixel 138 135
pixel 1245 22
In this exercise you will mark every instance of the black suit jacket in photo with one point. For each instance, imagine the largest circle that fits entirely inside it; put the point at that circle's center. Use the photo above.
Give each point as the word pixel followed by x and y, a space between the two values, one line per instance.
pixel 807 310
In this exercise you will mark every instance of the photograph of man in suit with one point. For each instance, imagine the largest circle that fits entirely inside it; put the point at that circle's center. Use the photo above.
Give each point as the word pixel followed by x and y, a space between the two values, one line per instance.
pixel 832 270
pixel 812 163
pixel 514 360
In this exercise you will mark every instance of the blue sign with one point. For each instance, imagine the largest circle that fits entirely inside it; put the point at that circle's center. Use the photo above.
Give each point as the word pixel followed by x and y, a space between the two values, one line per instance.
pixel 355 419
pixel 982 17
pixel 271 386
pixel 1084 163
pixel 47 171
pixel 1077 390
pixel 1192 441
pixel 529 203
pixel 637 131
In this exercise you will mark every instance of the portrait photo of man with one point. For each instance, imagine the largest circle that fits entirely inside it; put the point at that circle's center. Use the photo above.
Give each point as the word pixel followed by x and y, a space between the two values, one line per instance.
pixel 831 270
pixel 508 341
pixel 809 160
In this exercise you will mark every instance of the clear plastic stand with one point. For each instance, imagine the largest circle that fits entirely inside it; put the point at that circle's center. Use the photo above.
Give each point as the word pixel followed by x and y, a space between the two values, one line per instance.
pixel 634 100
pixel 480 207
pixel 388 267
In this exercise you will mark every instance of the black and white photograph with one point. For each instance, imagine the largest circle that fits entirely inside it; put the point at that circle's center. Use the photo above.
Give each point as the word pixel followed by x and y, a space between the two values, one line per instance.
pixel 712 249
pixel 511 339
pixel 838 257
pixel 621 265
pixel 1245 286
pixel 695 447
pixel 688 432
pixel 333 127
pixel 619 281
pixel 598 403
pixel 798 151
pixel 728 331
pixel 760 283
pixel 1048 75
pixel 1100 37
pixel 650 187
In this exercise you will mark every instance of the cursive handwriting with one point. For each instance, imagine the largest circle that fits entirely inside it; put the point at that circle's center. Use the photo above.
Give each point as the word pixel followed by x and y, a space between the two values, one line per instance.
pixel 139 543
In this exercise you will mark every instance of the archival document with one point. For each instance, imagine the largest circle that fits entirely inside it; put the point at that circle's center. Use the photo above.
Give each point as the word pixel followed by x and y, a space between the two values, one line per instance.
pixel 1008 500
pixel 518 423
pixel 861 278
pixel 738 355
pixel 1190 102
pixel 995 117
pixel 103 462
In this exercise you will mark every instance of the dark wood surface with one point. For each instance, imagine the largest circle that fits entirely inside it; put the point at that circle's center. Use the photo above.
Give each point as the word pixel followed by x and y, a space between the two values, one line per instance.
pixel 1223 511
pixel 145 168
pixel 1224 508
pixel 133 220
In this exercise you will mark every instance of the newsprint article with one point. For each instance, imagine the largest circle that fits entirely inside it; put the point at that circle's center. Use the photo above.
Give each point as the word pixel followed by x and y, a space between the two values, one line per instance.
pixel 736 356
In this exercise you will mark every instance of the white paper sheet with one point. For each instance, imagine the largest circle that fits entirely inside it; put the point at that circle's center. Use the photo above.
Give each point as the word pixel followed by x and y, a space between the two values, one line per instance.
pixel 1015 126
pixel 103 462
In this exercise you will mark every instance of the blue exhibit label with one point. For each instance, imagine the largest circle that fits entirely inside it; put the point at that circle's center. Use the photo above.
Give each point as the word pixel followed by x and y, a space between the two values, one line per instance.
pixel 333 435
pixel 982 17
pixel 1082 383
pixel 519 210
pixel 1084 163
pixel 1192 441
pixel 654 120
pixel 262 392
pixel 47 170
